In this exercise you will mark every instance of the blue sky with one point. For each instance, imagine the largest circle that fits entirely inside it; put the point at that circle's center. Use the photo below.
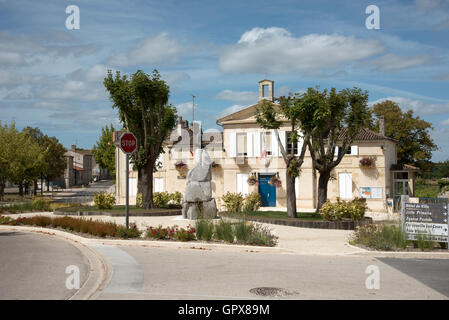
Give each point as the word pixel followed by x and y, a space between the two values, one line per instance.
pixel 52 77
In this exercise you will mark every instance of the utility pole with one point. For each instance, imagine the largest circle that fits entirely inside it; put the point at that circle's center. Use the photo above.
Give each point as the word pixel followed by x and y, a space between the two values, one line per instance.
pixel 193 106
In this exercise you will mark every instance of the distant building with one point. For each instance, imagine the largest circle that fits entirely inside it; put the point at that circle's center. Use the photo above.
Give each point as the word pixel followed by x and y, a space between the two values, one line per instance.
pixel 79 167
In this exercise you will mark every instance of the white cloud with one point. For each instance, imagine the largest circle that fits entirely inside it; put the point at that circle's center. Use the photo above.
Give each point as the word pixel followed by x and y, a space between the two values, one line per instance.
pixel 445 122
pixel 238 96
pixel 418 106
pixel 275 50
pixel 393 62
pixel 95 73
pixel 160 49
pixel 231 109
pixel 22 50
pixel 185 109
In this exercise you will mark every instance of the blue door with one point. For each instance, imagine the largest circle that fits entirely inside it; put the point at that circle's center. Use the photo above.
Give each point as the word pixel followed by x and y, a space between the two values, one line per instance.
pixel 267 192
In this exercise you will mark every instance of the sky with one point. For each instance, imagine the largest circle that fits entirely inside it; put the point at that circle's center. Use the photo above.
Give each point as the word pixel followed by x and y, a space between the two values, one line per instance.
pixel 51 77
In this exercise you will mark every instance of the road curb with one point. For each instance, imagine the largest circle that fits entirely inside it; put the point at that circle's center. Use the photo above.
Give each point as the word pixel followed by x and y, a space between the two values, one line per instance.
pixel 149 243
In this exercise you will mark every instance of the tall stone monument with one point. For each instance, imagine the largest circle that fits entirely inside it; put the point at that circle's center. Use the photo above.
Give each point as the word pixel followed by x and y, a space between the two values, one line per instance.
pixel 198 202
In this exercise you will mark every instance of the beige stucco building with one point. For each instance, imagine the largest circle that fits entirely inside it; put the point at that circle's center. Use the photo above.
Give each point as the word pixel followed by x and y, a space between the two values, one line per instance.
pixel 243 149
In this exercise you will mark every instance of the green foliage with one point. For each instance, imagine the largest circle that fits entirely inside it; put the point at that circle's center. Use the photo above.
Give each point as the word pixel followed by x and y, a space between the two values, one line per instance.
pixel 380 237
pixel 174 232
pixel 224 231
pixel 139 200
pixel 184 234
pixel 261 236
pixel 131 232
pixel 423 242
pixel 104 150
pixel 233 202
pixel 415 144
pixel 354 209
pixel 243 230
pixel 443 183
pixel 176 198
pixel 204 229
pixel 142 103
pixel 41 204
pixel 252 202
pixel 95 228
pixel 104 200
pixel 161 199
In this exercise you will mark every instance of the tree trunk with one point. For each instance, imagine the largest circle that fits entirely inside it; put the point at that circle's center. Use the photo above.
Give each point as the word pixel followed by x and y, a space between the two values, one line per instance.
pixel 291 196
pixel 147 186
pixel 2 188
pixel 35 187
pixel 48 185
pixel 322 188
pixel 21 189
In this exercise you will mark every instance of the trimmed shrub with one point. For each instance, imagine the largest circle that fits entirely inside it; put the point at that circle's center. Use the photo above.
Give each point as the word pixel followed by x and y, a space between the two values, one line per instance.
pixel 233 202
pixel 139 200
pixel 176 198
pixel 104 200
pixel 354 209
pixel 161 199
pixel 252 202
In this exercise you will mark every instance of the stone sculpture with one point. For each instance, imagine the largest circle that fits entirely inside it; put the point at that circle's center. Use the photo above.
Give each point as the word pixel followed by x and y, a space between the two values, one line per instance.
pixel 198 201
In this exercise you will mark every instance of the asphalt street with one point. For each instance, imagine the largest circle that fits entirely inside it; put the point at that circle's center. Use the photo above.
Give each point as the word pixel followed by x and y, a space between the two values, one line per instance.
pixel 202 274
pixel 33 266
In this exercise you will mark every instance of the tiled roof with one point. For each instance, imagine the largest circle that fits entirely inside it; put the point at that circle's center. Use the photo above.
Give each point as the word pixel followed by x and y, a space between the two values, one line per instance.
pixel 366 135
pixel 403 167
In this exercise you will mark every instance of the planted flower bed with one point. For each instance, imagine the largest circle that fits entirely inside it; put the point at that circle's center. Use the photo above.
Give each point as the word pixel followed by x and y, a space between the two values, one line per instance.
pixel 241 233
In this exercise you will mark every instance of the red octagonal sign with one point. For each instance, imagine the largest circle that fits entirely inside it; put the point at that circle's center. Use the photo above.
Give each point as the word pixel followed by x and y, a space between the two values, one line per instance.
pixel 128 142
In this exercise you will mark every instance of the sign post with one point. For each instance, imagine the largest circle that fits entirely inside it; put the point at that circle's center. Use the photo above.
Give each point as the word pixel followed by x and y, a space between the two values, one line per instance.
pixel 128 144
pixel 426 219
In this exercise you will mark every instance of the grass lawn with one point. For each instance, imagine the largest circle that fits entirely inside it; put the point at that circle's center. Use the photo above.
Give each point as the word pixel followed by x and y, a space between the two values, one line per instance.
pixel 275 214
pixel 116 210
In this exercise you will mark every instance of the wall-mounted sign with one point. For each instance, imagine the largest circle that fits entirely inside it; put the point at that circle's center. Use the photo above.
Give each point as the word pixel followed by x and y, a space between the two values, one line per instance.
pixel 430 220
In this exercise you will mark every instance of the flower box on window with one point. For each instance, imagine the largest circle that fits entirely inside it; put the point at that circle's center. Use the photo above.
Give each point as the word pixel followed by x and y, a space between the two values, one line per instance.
pixel 180 165
pixel 367 163
pixel 275 181
pixel 252 179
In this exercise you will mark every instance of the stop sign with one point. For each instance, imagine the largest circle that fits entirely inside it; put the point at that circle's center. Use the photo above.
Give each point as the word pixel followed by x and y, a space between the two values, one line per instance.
pixel 128 142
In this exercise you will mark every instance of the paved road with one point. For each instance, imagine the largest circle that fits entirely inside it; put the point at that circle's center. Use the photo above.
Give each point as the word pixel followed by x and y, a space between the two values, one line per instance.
pixel 161 273
pixel 33 266
pixel 81 195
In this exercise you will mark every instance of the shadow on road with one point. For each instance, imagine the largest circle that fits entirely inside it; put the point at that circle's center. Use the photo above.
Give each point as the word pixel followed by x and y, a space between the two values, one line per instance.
pixel 433 273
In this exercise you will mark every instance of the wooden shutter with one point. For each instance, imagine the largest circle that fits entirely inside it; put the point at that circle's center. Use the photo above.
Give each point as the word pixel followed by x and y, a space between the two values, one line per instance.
pixel 249 144
pixel 232 145
pixel 256 144
pixel 274 144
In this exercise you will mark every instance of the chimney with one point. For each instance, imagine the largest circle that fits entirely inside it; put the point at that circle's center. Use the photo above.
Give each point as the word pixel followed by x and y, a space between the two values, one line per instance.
pixel 266 90
pixel 73 147
pixel 382 125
